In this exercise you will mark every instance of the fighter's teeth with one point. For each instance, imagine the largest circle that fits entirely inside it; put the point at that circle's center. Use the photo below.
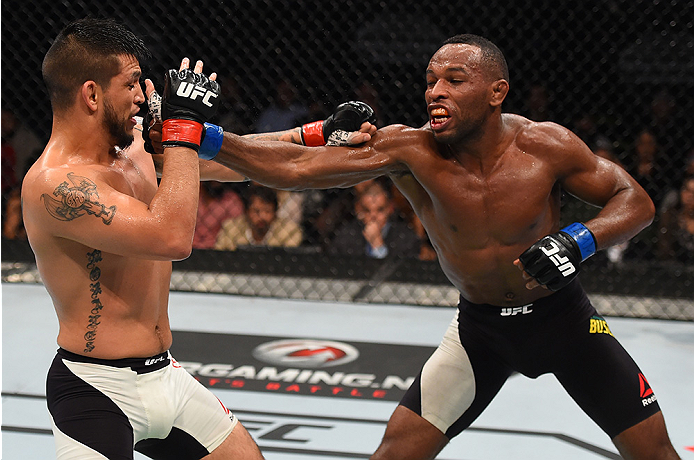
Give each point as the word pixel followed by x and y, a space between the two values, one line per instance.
pixel 440 112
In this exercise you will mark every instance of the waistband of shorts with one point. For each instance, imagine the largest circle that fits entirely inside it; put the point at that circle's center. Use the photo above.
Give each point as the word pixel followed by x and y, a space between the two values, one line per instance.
pixel 139 365
pixel 572 294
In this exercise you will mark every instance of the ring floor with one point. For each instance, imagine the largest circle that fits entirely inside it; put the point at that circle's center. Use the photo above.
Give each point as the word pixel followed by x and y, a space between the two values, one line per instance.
pixel 529 419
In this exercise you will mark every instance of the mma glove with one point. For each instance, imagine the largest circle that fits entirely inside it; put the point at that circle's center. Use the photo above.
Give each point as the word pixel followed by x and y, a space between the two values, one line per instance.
pixel 212 135
pixel 188 101
pixel 334 130
pixel 554 260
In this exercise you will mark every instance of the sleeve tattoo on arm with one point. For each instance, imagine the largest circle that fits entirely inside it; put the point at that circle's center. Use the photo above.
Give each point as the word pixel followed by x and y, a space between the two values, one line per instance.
pixel 77 200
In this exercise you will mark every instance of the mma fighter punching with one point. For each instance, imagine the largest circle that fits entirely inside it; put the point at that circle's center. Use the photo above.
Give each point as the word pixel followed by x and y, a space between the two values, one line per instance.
pixel 487 186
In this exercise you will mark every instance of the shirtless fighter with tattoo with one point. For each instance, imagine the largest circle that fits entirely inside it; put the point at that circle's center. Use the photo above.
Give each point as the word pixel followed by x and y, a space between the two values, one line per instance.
pixel 104 235
pixel 486 186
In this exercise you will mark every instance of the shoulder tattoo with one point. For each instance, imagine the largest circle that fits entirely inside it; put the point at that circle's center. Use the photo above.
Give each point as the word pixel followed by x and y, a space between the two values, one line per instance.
pixel 77 198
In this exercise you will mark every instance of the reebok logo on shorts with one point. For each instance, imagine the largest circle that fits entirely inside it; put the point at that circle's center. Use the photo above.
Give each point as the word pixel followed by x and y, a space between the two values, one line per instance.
pixel 647 395
pixel 599 326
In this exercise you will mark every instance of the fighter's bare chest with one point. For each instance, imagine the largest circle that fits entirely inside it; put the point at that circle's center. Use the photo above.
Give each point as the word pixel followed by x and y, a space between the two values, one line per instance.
pixel 495 205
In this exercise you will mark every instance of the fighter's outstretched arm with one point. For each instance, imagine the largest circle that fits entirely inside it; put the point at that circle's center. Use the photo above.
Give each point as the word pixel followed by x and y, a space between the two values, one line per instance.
pixel 290 166
pixel 350 124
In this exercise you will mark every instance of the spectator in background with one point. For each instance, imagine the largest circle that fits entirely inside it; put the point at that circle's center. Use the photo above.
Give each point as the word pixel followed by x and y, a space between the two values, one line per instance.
pixel 12 220
pixel 284 112
pixel 20 147
pixel 375 233
pixel 672 196
pixel 404 211
pixel 25 144
pixel 648 164
pixel 672 128
pixel 9 181
pixel 290 205
pixel 676 226
pixel 259 225
pixel 323 212
pixel 218 202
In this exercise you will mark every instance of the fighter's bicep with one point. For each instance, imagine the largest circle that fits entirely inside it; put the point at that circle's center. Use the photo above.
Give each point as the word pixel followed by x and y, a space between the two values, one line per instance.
pixel 597 181
pixel 89 211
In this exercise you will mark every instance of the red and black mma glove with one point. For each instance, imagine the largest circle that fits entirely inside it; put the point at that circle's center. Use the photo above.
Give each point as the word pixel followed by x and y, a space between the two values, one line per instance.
pixel 554 260
pixel 334 130
pixel 189 100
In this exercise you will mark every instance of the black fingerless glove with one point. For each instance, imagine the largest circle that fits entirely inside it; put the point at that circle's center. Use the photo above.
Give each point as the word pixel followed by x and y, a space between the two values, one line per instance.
pixel 348 117
pixel 189 100
pixel 554 260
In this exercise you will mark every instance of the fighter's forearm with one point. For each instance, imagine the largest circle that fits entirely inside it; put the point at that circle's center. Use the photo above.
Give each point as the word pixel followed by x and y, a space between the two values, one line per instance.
pixel 291 135
pixel 262 158
pixel 285 165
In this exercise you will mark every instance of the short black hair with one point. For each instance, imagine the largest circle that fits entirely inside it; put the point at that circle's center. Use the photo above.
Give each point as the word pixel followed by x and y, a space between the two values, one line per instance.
pixel 492 56
pixel 265 194
pixel 87 49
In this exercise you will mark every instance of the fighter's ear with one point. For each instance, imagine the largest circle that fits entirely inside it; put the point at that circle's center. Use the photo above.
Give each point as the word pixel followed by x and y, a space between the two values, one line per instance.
pixel 499 91
pixel 89 93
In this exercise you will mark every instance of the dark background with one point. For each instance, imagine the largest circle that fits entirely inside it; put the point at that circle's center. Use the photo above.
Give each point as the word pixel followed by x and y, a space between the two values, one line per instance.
pixel 602 61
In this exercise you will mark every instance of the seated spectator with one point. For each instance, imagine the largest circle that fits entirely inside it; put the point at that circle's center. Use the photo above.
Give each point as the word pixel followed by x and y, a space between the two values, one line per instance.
pixel 218 202
pixel 324 211
pixel 12 220
pixel 676 226
pixel 650 166
pixel 375 232
pixel 404 211
pixel 259 225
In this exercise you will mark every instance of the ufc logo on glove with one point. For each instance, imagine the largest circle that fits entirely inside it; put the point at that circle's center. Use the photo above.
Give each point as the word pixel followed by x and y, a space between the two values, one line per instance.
pixel 192 91
pixel 562 263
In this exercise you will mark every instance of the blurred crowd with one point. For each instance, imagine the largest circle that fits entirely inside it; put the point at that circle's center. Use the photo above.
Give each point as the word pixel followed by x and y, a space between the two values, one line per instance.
pixel 373 219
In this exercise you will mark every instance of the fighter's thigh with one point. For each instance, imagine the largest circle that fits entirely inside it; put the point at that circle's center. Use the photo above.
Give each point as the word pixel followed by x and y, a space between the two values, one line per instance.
pixel 86 423
pixel 457 382
pixel 202 414
pixel 206 418
pixel 601 376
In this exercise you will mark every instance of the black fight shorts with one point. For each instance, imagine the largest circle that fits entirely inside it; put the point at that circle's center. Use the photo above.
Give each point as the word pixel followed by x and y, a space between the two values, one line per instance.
pixel 560 334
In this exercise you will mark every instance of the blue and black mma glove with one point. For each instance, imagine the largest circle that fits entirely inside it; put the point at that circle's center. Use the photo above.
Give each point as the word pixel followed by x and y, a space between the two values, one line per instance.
pixel 334 130
pixel 554 260
pixel 188 101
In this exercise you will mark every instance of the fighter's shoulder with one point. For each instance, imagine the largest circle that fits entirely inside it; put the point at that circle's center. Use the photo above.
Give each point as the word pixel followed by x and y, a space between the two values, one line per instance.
pixel 545 136
pixel 402 135
pixel 51 180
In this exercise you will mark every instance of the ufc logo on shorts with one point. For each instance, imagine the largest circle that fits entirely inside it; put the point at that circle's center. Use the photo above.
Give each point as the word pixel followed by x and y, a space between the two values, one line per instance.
pixel 562 263
pixel 512 311
pixel 191 91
